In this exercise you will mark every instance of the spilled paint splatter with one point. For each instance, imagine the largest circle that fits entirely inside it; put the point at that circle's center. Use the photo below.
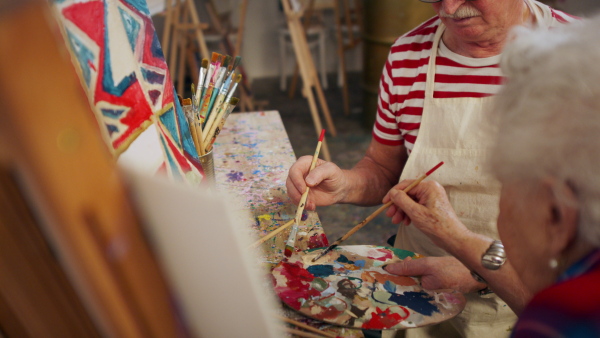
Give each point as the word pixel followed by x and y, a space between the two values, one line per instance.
pixel 235 176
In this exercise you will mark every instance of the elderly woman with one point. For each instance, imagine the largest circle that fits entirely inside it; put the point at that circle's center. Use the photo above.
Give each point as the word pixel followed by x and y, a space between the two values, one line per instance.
pixel 547 157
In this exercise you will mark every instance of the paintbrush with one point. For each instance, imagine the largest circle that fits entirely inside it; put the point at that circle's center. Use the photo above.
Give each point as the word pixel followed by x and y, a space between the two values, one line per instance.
pixel 201 75
pixel 218 108
pixel 208 79
pixel 218 83
pixel 304 326
pixel 289 246
pixel 374 214
pixel 272 234
pixel 233 88
pixel 218 126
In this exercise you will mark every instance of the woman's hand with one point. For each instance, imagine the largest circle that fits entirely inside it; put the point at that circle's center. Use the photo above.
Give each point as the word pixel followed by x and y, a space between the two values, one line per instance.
pixel 326 181
pixel 427 208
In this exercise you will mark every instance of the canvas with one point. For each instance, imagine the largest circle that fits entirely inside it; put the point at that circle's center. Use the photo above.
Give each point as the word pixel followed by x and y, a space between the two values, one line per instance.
pixel 120 61
pixel 349 287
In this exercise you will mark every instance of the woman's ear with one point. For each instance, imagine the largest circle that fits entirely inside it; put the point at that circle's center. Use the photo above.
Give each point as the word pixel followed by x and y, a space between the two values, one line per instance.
pixel 563 214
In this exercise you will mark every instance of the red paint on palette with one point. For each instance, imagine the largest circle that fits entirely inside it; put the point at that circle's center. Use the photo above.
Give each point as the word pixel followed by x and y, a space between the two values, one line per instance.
pixel 386 318
pixel 317 241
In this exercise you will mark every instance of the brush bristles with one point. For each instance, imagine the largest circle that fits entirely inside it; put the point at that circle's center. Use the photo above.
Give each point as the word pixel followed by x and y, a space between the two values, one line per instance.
pixel 204 63
pixel 238 78
pixel 234 101
pixel 215 57
pixel 227 61
pixel 237 61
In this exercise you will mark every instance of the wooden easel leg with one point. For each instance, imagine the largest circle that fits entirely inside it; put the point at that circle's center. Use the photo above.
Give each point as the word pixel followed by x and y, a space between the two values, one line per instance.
pixel 175 41
pixel 167 31
pixel 341 55
pixel 198 30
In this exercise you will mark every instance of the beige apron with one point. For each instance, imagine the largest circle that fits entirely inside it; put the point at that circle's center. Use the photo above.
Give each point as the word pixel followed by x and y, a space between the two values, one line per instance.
pixel 454 130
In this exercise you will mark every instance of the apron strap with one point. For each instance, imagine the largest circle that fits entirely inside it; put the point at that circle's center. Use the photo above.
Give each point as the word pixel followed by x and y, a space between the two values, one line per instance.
pixel 430 80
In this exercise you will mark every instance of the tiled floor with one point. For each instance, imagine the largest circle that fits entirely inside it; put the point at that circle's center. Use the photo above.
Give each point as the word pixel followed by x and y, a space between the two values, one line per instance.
pixel 346 149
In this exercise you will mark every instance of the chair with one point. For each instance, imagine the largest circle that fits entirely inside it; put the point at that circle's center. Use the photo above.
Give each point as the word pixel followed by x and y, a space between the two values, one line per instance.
pixel 306 66
pixel 316 35
pixel 348 28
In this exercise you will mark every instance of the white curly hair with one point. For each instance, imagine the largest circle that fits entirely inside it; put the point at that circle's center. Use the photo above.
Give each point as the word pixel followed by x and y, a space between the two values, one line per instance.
pixel 548 113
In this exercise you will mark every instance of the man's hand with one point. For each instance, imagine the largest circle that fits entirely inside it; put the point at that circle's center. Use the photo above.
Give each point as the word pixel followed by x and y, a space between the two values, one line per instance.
pixel 326 182
pixel 437 273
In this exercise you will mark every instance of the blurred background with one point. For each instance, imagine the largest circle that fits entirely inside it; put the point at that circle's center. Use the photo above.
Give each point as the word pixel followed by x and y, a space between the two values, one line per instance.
pixel 268 61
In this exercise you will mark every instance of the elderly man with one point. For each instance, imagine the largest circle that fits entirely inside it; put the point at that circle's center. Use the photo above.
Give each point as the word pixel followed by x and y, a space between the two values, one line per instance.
pixel 434 91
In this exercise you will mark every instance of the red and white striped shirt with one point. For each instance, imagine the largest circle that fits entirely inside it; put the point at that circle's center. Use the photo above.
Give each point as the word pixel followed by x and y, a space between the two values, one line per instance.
pixel 402 84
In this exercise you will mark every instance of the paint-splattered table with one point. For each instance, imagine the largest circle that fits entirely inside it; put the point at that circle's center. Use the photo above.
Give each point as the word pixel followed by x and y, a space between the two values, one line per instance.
pixel 252 157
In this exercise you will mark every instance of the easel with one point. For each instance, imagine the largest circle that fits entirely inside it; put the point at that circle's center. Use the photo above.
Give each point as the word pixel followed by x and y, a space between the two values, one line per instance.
pixel 310 79
pixel 181 19
pixel 346 18
pixel 53 143
pixel 351 17
pixel 221 28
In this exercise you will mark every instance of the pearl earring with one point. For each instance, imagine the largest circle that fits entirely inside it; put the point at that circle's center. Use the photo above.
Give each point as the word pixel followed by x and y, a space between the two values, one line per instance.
pixel 553 263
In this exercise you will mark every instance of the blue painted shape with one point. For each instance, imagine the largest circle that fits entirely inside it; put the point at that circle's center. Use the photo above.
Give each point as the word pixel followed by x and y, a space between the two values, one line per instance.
pixel 155 48
pixel 360 263
pixel 152 77
pixel 417 301
pixel 85 56
pixel 168 120
pixel 140 5
pixel 321 270
pixel 389 286
pixel 187 143
pixel 111 129
pixel 344 259
pixel 170 160
pixel 107 80
pixel 132 27
pixel 112 113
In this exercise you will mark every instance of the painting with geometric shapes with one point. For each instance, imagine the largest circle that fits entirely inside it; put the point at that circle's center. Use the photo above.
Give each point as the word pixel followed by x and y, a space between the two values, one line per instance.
pixel 116 50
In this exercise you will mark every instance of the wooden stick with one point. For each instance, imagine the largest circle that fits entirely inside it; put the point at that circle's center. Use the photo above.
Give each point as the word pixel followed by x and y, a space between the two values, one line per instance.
pixel 271 234
pixel 304 326
pixel 374 214
pixel 302 333
pixel 289 246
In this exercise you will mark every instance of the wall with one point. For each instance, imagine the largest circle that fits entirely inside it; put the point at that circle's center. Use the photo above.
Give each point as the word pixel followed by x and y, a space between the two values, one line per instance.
pixel 261 48
pixel 584 8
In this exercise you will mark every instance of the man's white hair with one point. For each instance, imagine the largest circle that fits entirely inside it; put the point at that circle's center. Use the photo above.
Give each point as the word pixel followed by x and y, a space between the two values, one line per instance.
pixel 548 113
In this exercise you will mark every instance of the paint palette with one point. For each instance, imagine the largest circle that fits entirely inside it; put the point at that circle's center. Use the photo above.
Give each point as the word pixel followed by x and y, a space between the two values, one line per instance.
pixel 348 287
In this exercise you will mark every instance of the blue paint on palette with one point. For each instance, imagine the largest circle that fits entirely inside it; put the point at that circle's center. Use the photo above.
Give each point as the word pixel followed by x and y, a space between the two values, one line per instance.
pixel 321 270
pixel 417 301
pixel 389 286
